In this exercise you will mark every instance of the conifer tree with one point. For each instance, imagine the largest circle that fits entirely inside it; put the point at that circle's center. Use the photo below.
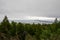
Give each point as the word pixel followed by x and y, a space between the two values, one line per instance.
pixel 55 21
pixel 6 27
pixel 5 24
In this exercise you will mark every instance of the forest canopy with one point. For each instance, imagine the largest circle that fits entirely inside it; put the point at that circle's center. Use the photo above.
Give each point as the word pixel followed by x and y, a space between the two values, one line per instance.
pixel 21 31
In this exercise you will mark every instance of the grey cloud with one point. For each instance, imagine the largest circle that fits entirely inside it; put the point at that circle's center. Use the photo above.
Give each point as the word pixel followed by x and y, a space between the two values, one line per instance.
pixel 48 8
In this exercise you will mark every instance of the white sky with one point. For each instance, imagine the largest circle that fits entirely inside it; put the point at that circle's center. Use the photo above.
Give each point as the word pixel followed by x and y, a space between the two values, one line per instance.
pixel 23 8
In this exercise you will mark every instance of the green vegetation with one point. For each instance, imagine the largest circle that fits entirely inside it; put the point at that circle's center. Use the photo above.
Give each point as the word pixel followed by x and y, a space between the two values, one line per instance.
pixel 21 31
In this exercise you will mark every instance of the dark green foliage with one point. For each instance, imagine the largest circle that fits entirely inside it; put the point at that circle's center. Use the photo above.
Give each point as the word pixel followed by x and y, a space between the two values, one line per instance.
pixel 13 28
pixel 19 30
pixel 5 25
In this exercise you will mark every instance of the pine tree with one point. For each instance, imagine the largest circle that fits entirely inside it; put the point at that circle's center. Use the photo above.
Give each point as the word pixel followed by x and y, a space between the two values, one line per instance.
pixel 5 24
pixel 56 21
pixel 6 27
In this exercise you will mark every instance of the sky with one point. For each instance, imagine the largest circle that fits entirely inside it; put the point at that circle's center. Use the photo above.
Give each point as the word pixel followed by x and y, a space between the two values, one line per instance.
pixel 26 8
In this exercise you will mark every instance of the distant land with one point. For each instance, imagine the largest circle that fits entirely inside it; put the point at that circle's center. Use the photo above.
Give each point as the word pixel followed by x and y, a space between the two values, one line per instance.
pixel 33 21
pixel 36 20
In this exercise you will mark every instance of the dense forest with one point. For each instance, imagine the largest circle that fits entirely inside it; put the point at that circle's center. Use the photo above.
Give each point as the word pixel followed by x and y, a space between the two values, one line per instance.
pixel 24 31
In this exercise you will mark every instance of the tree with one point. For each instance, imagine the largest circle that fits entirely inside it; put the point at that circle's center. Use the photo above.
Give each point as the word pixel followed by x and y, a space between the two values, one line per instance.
pixel 56 21
pixel 5 24
pixel 13 29
pixel 6 27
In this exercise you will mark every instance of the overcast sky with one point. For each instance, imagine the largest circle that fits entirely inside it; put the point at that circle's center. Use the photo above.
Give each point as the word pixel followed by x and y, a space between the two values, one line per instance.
pixel 22 8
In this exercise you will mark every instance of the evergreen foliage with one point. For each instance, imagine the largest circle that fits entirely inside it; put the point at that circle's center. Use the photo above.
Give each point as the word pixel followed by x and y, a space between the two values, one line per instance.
pixel 19 31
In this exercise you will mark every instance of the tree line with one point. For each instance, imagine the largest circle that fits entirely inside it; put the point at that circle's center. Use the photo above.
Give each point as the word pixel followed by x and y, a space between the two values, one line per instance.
pixel 19 31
